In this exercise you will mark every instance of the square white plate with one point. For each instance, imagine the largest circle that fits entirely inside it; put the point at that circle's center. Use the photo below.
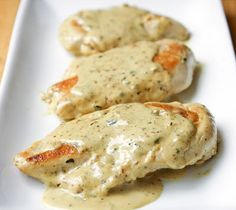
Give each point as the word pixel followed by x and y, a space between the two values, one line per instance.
pixel 36 60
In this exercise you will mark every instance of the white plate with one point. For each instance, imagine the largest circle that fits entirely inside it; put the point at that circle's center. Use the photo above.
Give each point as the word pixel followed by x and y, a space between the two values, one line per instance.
pixel 36 60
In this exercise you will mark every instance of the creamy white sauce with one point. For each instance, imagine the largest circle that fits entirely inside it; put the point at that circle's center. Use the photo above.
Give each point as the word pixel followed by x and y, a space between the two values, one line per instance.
pixel 92 31
pixel 126 197
pixel 145 140
pixel 121 75
pixel 120 144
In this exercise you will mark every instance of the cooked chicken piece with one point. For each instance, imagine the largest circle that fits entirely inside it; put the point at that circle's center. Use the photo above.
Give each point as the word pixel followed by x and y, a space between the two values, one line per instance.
pixel 93 31
pixel 145 71
pixel 104 149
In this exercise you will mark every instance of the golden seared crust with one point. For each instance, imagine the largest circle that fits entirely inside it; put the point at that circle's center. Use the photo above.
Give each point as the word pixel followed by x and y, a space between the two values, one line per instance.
pixel 208 128
pixel 94 31
pixel 193 116
pixel 50 155
pixel 170 57
pixel 141 72
pixel 206 132
pixel 103 149
pixel 66 84
pixel 46 162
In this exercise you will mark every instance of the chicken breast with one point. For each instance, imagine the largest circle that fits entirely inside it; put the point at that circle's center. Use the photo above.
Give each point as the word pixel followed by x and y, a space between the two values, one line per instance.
pixel 93 31
pixel 141 72
pixel 104 149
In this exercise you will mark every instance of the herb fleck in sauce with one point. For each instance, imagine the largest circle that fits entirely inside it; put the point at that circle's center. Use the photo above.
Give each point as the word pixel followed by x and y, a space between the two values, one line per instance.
pixel 129 196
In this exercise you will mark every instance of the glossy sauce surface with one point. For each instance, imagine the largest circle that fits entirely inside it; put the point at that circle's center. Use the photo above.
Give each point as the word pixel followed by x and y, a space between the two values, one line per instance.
pixel 120 144
pixel 93 155
pixel 121 75
pixel 91 31
pixel 126 197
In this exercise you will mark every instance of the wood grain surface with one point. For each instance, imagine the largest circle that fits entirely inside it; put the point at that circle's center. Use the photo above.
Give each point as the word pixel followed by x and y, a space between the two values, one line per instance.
pixel 230 12
pixel 8 9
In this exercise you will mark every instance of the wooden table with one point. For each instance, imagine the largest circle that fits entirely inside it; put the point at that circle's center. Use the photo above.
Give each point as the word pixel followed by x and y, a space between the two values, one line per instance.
pixel 8 9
